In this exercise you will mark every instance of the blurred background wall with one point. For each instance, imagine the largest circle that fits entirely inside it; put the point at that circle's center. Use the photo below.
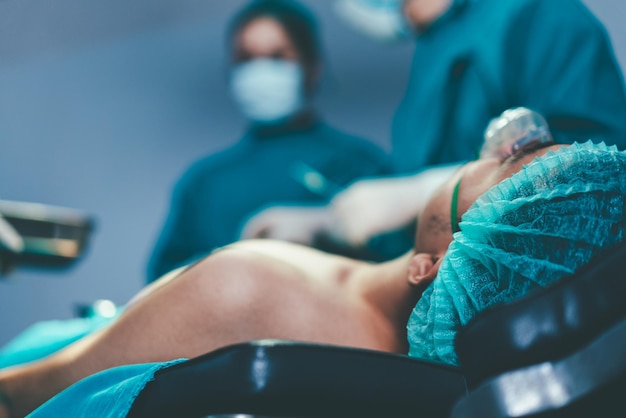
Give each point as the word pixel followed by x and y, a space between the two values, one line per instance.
pixel 104 104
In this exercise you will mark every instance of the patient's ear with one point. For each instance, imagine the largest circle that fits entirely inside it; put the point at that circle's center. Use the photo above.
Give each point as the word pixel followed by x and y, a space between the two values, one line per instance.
pixel 423 269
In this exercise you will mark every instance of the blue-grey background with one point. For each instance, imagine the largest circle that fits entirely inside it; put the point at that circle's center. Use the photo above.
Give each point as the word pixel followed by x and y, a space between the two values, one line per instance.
pixel 103 104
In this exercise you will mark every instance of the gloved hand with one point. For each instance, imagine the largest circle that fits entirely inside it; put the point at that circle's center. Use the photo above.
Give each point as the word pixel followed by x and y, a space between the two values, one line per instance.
pixel 299 224
pixel 364 210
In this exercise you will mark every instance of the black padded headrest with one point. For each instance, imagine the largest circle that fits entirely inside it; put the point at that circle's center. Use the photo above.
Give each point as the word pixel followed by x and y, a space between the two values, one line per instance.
pixel 548 324
pixel 286 379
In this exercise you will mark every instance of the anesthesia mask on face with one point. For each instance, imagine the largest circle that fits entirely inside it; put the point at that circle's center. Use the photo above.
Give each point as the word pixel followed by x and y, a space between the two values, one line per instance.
pixel 382 20
pixel 514 129
pixel 268 90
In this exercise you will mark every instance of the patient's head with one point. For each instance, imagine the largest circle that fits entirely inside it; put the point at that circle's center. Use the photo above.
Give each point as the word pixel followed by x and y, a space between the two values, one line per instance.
pixel 536 225
pixel 435 227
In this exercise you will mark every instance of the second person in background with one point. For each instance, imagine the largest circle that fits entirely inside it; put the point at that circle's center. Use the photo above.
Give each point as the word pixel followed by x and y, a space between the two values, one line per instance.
pixel 287 154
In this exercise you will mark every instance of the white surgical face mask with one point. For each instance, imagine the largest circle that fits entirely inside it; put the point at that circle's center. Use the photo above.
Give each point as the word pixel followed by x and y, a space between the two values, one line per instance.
pixel 382 20
pixel 268 90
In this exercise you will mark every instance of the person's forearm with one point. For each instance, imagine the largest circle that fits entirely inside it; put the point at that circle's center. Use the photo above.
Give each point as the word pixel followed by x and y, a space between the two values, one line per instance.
pixel 426 182
pixel 169 321
pixel 375 206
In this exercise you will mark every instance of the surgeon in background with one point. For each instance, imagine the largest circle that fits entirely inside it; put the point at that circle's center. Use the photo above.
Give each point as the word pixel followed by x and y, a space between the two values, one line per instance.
pixel 288 154
pixel 472 60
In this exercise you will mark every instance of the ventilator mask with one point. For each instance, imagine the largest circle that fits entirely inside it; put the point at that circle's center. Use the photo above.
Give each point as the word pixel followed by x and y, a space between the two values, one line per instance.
pixel 514 129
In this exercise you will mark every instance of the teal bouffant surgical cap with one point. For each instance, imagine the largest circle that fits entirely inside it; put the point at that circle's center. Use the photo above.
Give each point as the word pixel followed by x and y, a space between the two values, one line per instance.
pixel 527 232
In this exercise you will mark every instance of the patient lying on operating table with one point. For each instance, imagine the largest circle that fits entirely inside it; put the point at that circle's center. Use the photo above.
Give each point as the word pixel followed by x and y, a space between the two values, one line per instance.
pixel 522 223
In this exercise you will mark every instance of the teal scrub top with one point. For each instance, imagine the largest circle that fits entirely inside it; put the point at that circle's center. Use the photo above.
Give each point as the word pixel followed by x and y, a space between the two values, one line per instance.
pixel 485 56
pixel 218 193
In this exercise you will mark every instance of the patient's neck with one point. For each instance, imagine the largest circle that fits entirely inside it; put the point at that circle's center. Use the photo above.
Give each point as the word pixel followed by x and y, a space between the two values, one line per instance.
pixel 386 287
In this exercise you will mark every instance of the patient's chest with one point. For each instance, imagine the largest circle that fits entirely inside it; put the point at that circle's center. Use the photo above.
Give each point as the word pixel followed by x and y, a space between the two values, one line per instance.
pixel 309 296
pixel 308 264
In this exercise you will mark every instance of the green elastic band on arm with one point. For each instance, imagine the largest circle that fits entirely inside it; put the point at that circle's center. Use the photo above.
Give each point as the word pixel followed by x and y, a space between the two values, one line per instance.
pixel 454 223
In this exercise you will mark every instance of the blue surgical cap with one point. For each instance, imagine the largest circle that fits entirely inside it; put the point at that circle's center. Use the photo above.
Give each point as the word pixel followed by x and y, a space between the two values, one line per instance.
pixel 527 232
